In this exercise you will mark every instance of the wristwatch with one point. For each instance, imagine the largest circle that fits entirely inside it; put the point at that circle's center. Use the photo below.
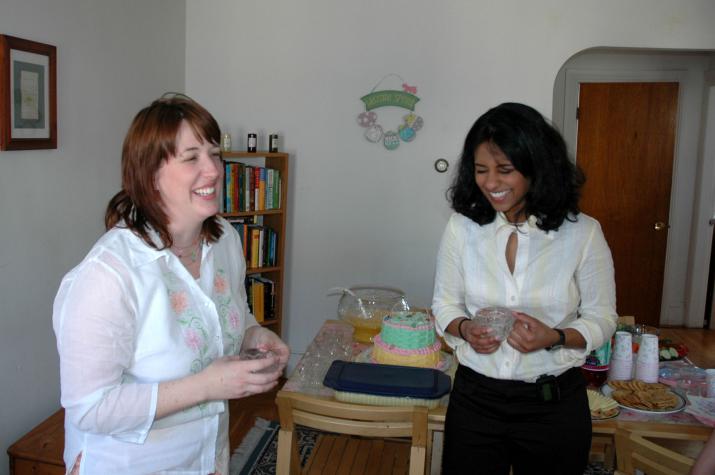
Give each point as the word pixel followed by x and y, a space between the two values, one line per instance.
pixel 560 342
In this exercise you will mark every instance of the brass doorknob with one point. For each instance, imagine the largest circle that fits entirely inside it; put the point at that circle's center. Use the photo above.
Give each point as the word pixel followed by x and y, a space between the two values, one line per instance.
pixel 659 226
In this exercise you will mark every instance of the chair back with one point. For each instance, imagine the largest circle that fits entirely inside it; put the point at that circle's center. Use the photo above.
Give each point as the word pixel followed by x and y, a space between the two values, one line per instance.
pixel 344 418
pixel 635 452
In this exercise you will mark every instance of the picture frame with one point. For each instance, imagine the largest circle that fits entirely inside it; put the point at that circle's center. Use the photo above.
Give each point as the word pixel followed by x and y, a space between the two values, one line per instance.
pixel 28 94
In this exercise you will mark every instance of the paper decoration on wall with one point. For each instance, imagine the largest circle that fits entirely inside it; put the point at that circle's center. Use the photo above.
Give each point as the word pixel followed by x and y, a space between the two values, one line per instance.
pixel 405 99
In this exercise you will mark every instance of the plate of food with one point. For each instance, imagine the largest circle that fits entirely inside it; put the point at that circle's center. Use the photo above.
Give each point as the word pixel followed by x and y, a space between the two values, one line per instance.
pixel 669 351
pixel 602 407
pixel 639 396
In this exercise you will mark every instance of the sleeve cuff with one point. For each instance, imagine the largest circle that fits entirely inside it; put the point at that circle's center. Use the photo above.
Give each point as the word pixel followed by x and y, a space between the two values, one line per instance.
pixel 139 435
pixel 451 340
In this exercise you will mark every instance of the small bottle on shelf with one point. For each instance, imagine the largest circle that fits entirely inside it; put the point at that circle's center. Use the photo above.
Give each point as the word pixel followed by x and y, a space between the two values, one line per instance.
pixel 226 142
pixel 273 143
pixel 252 142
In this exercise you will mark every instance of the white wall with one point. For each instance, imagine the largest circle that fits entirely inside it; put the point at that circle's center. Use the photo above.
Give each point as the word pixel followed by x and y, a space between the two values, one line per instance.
pixel 112 59
pixel 358 212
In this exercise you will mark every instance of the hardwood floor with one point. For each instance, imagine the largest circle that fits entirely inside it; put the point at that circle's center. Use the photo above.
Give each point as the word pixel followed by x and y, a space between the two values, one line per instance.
pixel 243 413
pixel 701 344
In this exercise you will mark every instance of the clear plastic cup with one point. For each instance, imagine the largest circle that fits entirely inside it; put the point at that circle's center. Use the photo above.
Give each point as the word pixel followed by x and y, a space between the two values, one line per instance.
pixel 499 319
pixel 258 354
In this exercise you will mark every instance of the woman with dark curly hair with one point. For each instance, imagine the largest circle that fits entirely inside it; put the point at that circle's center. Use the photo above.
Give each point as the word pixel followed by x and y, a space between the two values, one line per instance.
pixel 518 240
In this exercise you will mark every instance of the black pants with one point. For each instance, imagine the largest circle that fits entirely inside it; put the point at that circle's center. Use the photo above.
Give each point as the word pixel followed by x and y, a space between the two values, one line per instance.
pixel 494 424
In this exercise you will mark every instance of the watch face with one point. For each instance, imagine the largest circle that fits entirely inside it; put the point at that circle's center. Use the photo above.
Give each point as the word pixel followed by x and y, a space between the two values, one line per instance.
pixel 441 165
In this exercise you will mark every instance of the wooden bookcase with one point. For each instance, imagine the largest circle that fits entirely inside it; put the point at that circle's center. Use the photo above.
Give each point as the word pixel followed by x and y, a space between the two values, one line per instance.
pixel 273 218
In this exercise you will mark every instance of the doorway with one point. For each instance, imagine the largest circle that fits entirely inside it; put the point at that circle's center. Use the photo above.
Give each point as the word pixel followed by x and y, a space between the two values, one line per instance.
pixel 687 252
pixel 625 145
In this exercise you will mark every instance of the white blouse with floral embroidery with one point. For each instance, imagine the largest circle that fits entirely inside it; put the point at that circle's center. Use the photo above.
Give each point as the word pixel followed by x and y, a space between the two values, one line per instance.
pixel 129 317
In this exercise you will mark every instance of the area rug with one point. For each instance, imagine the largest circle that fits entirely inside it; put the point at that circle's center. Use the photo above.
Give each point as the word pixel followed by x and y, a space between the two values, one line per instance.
pixel 257 453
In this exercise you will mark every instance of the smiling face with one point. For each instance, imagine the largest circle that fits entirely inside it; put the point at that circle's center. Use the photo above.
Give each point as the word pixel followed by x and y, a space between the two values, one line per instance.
pixel 188 182
pixel 501 184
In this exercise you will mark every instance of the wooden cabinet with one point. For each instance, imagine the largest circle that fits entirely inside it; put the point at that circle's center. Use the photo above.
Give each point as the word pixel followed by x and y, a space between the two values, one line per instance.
pixel 271 218
pixel 39 452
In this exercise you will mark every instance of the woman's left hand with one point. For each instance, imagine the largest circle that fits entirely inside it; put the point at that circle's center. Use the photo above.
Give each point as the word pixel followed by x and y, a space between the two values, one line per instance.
pixel 264 339
pixel 529 334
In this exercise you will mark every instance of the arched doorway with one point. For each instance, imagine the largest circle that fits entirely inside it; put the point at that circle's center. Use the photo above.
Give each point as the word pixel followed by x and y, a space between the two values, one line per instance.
pixel 684 279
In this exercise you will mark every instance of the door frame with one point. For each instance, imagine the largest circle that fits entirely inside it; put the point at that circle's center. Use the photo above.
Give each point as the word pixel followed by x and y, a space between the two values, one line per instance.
pixel 674 309
pixel 705 203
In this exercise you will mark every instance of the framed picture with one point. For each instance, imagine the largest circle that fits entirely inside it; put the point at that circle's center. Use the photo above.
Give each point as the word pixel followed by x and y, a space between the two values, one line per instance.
pixel 28 94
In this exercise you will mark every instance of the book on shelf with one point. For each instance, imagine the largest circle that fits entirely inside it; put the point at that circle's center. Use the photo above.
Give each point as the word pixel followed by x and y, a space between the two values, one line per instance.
pixel 259 242
pixel 269 188
pixel 269 298
pixel 261 293
pixel 249 188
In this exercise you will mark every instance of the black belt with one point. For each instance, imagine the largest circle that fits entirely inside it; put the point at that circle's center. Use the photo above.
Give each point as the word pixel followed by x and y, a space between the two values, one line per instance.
pixel 546 388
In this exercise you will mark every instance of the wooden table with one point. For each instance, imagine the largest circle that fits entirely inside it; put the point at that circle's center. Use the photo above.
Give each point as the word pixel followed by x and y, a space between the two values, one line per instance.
pixel 40 450
pixel 683 428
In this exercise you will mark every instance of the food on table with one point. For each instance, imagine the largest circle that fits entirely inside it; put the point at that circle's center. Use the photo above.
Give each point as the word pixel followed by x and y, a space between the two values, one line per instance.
pixel 601 407
pixel 667 350
pixel 407 339
pixel 642 395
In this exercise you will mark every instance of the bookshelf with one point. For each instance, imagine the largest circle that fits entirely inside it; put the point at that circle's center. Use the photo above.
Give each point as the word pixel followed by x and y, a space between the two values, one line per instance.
pixel 244 213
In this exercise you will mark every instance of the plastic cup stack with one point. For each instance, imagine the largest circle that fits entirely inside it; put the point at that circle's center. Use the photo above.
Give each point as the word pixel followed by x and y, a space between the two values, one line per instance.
pixel 647 361
pixel 622 358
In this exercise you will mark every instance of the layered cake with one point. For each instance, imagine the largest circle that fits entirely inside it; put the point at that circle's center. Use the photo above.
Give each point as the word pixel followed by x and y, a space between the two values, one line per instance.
pixel 407 339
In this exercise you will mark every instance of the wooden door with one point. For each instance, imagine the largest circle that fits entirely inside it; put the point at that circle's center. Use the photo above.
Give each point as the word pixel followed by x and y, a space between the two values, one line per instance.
pixel 626 140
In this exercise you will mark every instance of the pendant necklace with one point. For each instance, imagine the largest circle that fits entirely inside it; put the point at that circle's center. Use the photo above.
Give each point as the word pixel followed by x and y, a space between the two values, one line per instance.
pixel 193 251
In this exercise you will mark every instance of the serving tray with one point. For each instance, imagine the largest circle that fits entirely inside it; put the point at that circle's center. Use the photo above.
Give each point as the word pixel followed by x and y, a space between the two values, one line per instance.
pixel 387 380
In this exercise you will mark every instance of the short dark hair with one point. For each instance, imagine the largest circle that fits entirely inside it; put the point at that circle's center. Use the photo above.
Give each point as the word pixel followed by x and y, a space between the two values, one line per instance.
pixel 537 151
pixel 150 141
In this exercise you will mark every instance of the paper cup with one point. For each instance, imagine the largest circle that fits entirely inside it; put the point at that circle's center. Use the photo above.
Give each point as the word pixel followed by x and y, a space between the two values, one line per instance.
pixel 647 361
pixel 623 346
pixel 620 369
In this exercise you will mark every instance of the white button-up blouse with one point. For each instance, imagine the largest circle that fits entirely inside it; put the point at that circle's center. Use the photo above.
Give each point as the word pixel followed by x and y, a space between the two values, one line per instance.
pixel 564 278
pixel 129 317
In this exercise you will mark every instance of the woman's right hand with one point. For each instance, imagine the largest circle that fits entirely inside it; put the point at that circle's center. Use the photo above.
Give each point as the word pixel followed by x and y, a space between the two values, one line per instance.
pixel 479 338
pixel 230 377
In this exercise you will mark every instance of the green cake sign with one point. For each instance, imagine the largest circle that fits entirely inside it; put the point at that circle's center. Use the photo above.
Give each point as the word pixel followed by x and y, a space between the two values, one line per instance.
pixel 404 99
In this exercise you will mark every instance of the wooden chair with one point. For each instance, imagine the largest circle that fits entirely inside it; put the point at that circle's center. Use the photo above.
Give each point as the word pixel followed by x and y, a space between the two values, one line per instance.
pixel 354 419
pixel 603 450
pixel 638 450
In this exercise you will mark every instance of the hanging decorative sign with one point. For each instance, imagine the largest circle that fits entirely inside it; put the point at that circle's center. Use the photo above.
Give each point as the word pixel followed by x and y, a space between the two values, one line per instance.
pixel 405 99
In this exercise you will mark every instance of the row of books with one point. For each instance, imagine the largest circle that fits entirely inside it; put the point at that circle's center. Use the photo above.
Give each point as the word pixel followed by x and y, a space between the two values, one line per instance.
pixel 260 244
pixel 261 293
pixel 249 188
